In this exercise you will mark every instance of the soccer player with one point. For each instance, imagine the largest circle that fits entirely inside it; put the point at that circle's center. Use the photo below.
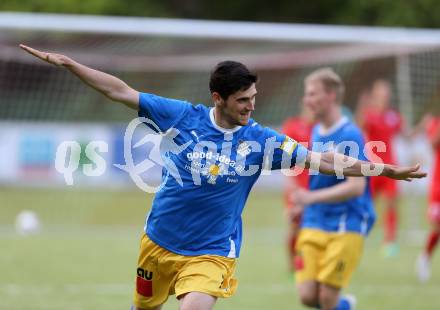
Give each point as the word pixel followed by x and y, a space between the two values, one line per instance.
pixel 193 232
pixel 298 128
pixel 423 263
pixel 338 211
pixel 382 123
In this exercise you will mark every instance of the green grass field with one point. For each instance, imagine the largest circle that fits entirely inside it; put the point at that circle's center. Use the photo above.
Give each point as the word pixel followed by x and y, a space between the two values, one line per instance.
pixel 85 256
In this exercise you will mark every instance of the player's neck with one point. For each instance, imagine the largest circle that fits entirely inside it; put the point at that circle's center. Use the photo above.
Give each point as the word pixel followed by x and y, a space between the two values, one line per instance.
pixel 221 121
pixel 307 117
pixel 331 118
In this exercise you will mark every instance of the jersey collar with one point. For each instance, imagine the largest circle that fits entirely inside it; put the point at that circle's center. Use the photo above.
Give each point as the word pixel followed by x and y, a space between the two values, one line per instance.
pixel 329 131
pixel 221 129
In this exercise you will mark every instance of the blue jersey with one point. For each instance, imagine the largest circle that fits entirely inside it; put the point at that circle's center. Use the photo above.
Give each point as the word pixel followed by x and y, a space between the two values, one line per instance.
pixel 198 209
pixel 356 214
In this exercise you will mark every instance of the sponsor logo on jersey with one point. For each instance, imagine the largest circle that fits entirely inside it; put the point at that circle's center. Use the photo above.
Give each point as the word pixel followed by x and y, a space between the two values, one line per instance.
pixel 214 158
pixel 212 172
pixel 194 133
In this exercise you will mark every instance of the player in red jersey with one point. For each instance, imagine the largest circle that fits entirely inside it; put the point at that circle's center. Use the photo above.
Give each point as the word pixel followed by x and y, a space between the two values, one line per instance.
pixel 423 264
pixel 380 122
pixel 298 128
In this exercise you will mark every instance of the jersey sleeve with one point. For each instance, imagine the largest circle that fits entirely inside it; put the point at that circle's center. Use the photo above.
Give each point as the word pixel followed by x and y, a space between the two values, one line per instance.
pixel 164 112
pixel 283 151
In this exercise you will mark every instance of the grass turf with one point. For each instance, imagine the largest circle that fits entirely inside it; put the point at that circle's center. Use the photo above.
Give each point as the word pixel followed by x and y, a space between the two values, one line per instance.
pixel 85 256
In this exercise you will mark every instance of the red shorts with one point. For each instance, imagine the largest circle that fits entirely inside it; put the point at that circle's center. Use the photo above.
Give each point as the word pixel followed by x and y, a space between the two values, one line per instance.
pixel 434 212
pixel 383 185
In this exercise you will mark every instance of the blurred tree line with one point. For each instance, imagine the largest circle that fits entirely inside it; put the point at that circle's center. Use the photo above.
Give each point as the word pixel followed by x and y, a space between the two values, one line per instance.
pixel 407 13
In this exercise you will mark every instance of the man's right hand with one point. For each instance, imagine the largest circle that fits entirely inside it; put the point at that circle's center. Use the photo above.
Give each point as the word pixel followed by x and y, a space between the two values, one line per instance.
pixel 52 58
pixel 109 85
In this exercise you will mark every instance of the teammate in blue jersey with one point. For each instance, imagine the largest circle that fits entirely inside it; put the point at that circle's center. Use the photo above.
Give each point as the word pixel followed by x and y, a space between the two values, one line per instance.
pixel 193 231
pixel 338 211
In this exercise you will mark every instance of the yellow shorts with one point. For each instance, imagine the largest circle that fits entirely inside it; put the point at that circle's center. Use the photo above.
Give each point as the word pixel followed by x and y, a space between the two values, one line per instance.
pixel 161 273
pixel 328 258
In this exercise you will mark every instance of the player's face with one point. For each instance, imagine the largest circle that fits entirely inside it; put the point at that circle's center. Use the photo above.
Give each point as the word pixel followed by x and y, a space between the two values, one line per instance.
pixel 238 107
pixel 317 99
pixel 381 95
pixel 307 113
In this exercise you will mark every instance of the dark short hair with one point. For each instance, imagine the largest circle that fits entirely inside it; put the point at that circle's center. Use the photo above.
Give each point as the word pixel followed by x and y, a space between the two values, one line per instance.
pixel 229 77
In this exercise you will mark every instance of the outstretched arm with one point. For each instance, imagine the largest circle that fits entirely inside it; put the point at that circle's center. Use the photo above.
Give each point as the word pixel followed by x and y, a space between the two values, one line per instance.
pixel 339 164
pixel 110 86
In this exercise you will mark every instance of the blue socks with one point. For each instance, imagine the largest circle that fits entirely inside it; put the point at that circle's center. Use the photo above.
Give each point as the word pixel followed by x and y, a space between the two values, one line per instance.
pixel 343 304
